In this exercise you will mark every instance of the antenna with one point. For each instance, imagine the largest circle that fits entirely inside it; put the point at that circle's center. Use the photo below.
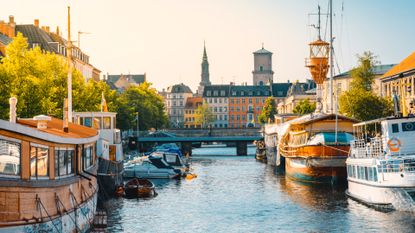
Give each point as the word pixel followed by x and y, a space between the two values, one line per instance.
pixel 318 27
pixel 79 37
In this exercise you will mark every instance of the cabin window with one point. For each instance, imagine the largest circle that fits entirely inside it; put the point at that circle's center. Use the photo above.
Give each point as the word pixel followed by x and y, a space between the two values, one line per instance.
pixel 87 156
pixel 39 161
pixel 107 122
pixel 9 157
pixel 395 128
pixel 64 161
pixel 408 126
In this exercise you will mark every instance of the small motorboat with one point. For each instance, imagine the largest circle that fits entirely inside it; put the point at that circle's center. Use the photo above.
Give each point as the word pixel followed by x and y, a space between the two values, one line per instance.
pixel 139 188
pixel 151 168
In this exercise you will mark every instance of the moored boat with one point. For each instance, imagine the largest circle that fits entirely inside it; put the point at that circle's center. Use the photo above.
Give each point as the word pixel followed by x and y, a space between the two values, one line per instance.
pixel 381 165
pixel 313 150
pixel 109 148
pixel 139 188
pixel 47 175
pixel 151 168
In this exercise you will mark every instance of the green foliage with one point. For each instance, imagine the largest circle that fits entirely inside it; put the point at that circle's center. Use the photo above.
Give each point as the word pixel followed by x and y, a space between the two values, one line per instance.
pixel 360 102
pixel 204 115
pixel 268 111
pixel 39 82
pixel 144 100
pixel 304 107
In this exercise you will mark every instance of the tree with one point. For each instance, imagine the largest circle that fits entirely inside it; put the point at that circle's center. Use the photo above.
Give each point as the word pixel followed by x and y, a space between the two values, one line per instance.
pixel 204 115
pixel 144 100
pixel 360 102
pixel 304 107
pixel 268 111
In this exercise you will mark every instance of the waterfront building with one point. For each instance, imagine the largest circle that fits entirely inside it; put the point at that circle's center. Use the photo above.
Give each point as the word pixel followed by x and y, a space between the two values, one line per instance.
pixel 342 81
pixel 175 101
pixel 217 96
pixel 262 73
pixel 400 80
pixel 49 41
pixel 297 92
pixel 47 174
pixel 122 81
pixel 205 81
pixel 190 112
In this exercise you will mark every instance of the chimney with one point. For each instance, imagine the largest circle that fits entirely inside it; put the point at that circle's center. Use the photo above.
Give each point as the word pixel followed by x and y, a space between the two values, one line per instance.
pixel 13 103
pixel 47 29
pixel 2 26
pixel 65 116
pixel 37 23
pixel 42 121
pixel 57 31
pixel 11 19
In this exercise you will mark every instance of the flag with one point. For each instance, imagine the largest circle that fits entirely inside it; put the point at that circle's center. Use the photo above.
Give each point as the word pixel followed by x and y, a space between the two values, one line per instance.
pixel 104 107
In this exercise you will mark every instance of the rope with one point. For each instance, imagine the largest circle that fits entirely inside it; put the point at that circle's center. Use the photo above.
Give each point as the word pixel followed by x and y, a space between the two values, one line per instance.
pixel 40 204
pixel 58 201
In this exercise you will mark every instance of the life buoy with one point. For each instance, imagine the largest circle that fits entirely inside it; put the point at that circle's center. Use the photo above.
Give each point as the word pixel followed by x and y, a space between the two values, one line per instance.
pixel 394 145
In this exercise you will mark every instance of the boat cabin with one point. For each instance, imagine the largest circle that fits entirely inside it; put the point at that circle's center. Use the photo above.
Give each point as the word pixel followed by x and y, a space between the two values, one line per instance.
pixel 109 145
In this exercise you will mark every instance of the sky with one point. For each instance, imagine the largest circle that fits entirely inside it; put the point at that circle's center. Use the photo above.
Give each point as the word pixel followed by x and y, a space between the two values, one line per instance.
pixel 164 38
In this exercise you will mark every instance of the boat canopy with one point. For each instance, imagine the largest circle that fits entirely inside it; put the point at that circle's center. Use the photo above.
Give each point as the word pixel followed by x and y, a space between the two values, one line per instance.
pixel 329 138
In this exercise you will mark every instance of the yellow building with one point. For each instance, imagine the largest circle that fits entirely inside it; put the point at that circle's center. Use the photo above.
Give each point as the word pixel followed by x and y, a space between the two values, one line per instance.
pixel 400 80
pixel 190 111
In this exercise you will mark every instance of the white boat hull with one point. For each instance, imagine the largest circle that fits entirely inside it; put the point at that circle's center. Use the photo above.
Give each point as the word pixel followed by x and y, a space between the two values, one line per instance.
pixel 395 197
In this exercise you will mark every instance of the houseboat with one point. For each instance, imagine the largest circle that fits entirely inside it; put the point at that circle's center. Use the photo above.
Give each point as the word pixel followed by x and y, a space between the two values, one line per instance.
pixel 315 147
pixel 381 164
pixel 109 149
pixel 47 175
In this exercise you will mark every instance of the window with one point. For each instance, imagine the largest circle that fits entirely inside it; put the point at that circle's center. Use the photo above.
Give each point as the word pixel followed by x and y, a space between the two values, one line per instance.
pixel 39 158
pixel 243 117
pixel 216 101
pixel 215 93
pixel 234 93
pixel 261 68
pixel 395 128
pixel 243 108
pixel 237 109
pixel 243 100
pixel 181 103
pixel 222 93
pixel 232 117
pixel 210 100
pixel 9 157
pixel 225 117
pixel 107 122
pixel 250 100
pixel 237 101
pixel 220 100
pixel 232 101
pixel 225 109
pixel 408 126
pixel 208 93
pixel 87 156
pixel 238 117
pixel 257 100
pixel 64 161
pixel 242 93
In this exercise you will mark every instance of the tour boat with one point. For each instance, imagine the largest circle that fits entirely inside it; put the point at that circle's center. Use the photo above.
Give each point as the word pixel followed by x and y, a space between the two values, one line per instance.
pixel 381 164
pixel 47 175
pixel 109 148
pixel 315 147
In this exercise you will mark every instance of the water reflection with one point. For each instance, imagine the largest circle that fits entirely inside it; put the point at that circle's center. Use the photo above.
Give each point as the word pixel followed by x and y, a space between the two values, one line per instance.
pixel 238 194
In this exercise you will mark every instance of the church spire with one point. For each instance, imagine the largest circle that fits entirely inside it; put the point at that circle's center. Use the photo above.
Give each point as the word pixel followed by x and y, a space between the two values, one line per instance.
pixel 204 51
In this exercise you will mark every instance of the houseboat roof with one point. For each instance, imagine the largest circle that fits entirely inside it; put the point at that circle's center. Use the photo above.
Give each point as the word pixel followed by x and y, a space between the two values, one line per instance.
pixel 313 117
pixel 77 134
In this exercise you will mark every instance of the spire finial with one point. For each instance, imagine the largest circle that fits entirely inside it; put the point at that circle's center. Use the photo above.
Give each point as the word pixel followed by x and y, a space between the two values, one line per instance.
pixel 262 45
pixel 204 50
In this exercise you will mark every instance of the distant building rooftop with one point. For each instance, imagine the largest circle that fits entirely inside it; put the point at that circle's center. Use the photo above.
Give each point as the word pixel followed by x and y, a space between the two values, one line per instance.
pixel 378 70
pixel 408 64
pixel 179 88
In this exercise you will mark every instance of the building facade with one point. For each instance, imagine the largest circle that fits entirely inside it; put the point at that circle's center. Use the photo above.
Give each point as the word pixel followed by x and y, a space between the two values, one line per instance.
pixel 191 111
pixel 400 81
pixel 175 101
pixel 49 41
pixel 262 73
pixel 342 82
pixel 216 96
pixel 296 93
pixel 123 81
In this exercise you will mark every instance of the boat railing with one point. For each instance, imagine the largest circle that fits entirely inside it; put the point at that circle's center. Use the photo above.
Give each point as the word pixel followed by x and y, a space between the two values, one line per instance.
pixel 374 148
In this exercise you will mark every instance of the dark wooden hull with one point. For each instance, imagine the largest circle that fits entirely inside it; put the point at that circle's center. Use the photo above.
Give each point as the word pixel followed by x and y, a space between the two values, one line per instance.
pixel 139 188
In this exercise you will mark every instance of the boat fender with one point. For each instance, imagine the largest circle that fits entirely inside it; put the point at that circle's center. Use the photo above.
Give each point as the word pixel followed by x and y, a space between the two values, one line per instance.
pixel 394 144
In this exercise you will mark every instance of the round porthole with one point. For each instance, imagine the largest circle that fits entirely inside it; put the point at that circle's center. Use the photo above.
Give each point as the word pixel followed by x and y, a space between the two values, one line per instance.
pixel 402 175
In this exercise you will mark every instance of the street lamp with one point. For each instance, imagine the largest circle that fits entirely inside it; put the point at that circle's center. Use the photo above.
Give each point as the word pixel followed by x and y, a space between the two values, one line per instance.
pixel 138 125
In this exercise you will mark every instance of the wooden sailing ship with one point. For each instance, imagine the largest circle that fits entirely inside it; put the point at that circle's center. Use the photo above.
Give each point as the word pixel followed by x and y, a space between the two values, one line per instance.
pixel 313 150
pixel 47 175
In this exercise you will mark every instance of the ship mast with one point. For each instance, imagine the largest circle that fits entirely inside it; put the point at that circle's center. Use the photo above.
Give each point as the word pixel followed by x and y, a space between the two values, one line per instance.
pixel 70 66
pixel 331 58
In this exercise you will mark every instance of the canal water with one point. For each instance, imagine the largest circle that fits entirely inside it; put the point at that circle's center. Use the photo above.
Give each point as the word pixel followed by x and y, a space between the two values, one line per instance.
pixel 239 194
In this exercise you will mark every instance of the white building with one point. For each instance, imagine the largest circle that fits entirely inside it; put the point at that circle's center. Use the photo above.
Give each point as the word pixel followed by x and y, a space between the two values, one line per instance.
pixel 175 102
